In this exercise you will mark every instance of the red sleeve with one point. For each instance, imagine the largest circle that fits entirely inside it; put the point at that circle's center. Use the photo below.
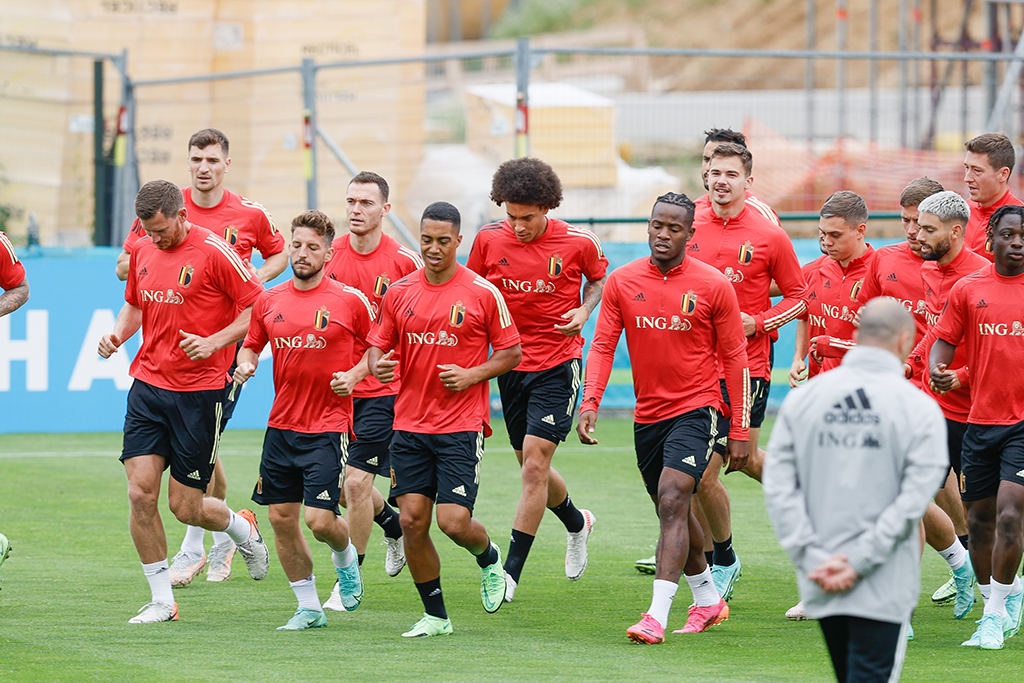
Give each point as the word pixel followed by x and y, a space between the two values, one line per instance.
pixel 872 287
pixel 595 264
pixel 12 272
pixel 383 333
pixel 134 235
pixel 732 349
pixel 950 327
pixel 362 314
pixel 256 338
pixel 131 286
pixel 601 356
pixel 269 240
pixel 785 270
pixel 501 331
pixel 242 292
pixel 808 270
pixel 476 262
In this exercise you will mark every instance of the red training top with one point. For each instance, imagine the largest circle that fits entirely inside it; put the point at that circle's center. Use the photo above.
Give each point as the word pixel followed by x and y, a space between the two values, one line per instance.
pixel 938 282
pixel 975 235
pixel 198 286
pixel 241 222
pixel 834 308
pixel 429 325
pixel 984 314
pixel 751 252
pixel 895 272
pixel 810 271
pixel 371 274
pixel 312 334
pixel 678 326
pixel 762 206
pixel 540 281
pixel 12 273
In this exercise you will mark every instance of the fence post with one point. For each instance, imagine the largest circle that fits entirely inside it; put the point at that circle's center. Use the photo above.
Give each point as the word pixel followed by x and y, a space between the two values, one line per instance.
pixel 809 74
pixel 101 221
pixel 309 129
pixel 126 171
pixel 522 114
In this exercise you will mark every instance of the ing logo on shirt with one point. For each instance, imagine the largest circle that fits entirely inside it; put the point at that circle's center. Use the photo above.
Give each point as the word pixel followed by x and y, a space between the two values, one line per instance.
pixel 746 254
pixel 231 235
pixel 321 319
pixel 457 314
pixel 381 284
pixel 555 265
pixel 689 303
pixel 185 275
pixel 855 290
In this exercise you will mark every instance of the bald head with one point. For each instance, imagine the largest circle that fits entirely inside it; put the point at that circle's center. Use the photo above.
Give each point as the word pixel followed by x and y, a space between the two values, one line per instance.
pixel 886 324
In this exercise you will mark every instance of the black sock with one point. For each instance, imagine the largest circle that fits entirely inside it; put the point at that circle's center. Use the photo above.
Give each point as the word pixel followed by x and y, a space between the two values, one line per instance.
pixel 433 600
pixel 487 557
pixel 569 515
pixel 518 549
pixel 709 555
pixel 964 539
pixel 388 521
pixel 724 556
pixel 361 557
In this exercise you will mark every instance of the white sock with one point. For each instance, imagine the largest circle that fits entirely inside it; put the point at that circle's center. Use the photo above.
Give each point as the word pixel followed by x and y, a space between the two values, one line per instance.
pixel 996 604
pixel 703 586
pixel 239 529
pixel 193 541
pixel 986 592
pixel 955 555
pixel 305 592
pixel 1016 586
pixel 221 537
pixel 661 601
pixel 159 581
pixel 343 558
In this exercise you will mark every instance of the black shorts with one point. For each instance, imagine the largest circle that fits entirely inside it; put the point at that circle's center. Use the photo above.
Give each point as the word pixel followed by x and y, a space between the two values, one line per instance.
pixel 181 426
pixel 373 425
pixel 298 467
pixel 991 453
pixel 683 443
pixel 541 403
pixel 442 467
pixel 759 387
pixel 955 441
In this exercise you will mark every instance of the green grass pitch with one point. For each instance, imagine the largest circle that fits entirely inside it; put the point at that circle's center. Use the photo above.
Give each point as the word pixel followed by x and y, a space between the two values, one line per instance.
pixel 74 580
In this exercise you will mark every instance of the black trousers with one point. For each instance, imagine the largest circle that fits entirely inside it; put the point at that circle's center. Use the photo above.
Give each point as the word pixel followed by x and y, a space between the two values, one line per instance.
pixel 865 650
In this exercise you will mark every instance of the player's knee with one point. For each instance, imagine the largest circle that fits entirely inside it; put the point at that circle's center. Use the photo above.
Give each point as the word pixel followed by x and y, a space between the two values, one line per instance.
pixel 535 473
pixel 673 503
pixel 1008 523
pixel 414 523
pixel 142 497
pixel 186 512
pixel 282 518
pixel 453 523
pixel 321 522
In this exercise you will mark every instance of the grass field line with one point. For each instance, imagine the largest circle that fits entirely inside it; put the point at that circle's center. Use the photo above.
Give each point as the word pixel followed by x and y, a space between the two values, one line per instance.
pixel 103 454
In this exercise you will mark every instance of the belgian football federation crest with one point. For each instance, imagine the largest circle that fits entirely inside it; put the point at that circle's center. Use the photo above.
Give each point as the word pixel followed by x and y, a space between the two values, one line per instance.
pixel 988 245
pixel 457 315
pixel 689 303
pixel 855 290
pixel 381 284
pixel 746 254
pixel 555 265
pixel 231 235
pixel 321 319
pixel 185 275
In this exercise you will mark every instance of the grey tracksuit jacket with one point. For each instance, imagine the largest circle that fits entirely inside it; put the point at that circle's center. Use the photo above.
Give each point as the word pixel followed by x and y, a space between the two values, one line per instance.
pixel 854 458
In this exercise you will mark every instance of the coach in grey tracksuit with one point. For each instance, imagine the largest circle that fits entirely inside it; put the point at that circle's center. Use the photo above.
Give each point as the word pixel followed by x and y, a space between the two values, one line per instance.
pixel 853 460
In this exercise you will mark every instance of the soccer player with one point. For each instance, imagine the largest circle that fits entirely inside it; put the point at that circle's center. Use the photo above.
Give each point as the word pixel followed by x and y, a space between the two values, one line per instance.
pixel 192 296
pixel 853 460
pixel 983 314
pixel 688 311
pixel 751 252
pixel 436 325
pixel 13 280
pixel 539 264
pixel 370 261
pixel 712 139
pixel 314 325
pixel 246 226
pixel 987 167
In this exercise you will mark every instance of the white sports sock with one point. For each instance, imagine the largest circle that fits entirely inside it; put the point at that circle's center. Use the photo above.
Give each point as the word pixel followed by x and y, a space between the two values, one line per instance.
pixel 703 586
pixel 239 529
pixel 1016 586
pixel 220 538
pixel 343 558
pixel 661 601
pixel 996 604
pixel 955 555
pixel 193 541
pixel 986 592
pixel 159 581
pixel 305 592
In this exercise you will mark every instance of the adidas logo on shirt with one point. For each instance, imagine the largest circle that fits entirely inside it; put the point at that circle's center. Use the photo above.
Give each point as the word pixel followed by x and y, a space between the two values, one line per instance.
pixel 194 475
pixel 639 297
pixel 690 460
pixel 548 419
pixel 143 271
pixel 279 318
pixel 408 313
pixel 891 278
pixel 828 284
pixel 459 490
pixel 982 304
pixel 813 296
pixel 372 461
pixel 855 408
pixel 503 262
pixel 324 496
